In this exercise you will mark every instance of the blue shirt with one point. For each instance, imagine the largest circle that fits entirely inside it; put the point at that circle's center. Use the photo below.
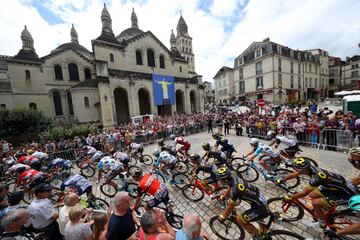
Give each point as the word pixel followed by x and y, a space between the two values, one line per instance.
pixel 180 235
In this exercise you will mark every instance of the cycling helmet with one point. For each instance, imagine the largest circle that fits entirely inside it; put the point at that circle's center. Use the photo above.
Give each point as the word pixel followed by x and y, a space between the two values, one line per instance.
pixel 206 146
pixel 106 159
pixel 355 151
pixel 67 164
pixel 195 157
pixel 354 203
pixel 35 164
pixel 222 173
pixel 30 151
pixel 216 136
pixel 128 143
pixel 172 136
pixel 85 147
pixel 301 163
pixel 11 162
pixel 270 134
pixel 254 141
pixel 21 169
pixel 160 142
pixel 156 152
pixel 135 173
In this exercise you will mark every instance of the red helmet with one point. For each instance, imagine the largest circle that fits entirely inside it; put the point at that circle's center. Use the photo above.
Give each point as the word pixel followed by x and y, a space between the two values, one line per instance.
pixel 128 143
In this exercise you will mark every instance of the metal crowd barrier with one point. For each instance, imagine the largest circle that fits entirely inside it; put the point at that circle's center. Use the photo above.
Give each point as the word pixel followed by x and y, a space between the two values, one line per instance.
pixel 329 139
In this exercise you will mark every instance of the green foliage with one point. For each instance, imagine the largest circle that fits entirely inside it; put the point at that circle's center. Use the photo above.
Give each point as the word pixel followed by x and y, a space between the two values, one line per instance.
pixel 19 121
pixel 67 131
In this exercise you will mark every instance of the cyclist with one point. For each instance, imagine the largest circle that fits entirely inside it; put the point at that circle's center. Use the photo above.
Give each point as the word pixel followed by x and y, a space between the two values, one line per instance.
pixel 219 156
pixel 168 148
pixel 40 155
pixel 354 158
pixel 148 184
pixel 60 166
pixel 326 189
pixel 93 153
pixel 226 146
pixel 123 158
pixel 165 160
pixel 184 150
pixel 78 183
pixel 112 168
pixel 15 169
pixel 201 167
pixel 31 178
pixel 32 161
pixel 259 148
pixel 291 143
pixel 135 148
pixel 353 229
pixel 241 190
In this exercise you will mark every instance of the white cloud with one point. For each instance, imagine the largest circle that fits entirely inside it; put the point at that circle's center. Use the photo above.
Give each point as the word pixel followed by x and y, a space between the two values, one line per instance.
pixel 300 24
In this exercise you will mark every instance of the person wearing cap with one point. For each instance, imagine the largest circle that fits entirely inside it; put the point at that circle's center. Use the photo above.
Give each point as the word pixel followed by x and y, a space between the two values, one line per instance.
pixel 43 215
pixel 14 200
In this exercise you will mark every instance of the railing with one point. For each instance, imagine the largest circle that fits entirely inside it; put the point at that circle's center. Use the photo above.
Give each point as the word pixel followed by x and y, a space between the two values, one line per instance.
pixel 330 139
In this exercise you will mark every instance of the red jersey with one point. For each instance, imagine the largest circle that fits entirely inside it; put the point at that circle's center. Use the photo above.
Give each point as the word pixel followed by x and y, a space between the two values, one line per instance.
pixel 149 183
pixel 182 141
pixel 26 159
pixel 28 176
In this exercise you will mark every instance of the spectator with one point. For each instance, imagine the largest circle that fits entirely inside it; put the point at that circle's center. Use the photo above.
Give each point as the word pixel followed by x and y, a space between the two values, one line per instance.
pixel 210 124
pixel 50 147
pixel 76 229
pixel 13 222
pixel 43 214
pixel 70 201
pixel 191 229
pixel 14 200
pixel 100 226
pixel 151 221
pixel 123 219
pixel 299 127
pixel 4 189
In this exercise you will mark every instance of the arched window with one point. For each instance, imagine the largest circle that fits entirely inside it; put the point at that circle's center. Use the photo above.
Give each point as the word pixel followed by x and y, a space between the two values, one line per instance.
pixel 58 72
pixel 27 75
pixel 86 102
pixel 138 58
pixel 87 73
pixel 70 104
pixel 32 106
pixel 73 72
pixel 57 103
pixel 180 69
pixel 162 61
pixel 111 57
pixel 150 58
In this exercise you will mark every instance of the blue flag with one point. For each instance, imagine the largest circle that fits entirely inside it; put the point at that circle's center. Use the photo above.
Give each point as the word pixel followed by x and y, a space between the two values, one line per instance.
pixel 164 89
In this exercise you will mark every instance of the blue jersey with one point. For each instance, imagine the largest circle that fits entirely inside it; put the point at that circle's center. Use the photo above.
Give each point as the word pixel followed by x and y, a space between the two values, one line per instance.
pixel 80 183
pixel 266 150
pixel 59 162
pixel 165 158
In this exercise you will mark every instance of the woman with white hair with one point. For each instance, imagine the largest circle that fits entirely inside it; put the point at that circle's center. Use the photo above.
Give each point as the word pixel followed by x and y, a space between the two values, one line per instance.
pixel 76 229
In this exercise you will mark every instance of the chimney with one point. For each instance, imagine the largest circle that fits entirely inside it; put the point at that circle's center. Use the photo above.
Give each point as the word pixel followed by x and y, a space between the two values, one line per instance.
pixel 268 40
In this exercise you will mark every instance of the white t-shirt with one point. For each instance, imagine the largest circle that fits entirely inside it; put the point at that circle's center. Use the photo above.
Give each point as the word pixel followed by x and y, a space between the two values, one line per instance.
pixel 79 231
pixel 41 211
pixel 63 218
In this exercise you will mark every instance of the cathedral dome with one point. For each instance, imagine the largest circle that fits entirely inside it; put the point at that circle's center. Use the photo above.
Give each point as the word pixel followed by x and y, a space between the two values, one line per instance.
pixel 129 33
pixel 73 46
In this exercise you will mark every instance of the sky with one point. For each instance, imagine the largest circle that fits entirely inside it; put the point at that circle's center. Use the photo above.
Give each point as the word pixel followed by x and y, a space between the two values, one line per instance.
pixel 221 29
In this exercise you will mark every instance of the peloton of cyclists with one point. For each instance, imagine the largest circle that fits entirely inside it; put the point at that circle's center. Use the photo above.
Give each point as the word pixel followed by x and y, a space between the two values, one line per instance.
pixel 186 145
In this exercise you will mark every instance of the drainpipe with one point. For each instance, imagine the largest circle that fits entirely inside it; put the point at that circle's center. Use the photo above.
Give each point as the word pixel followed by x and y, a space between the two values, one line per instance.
pixel 273 79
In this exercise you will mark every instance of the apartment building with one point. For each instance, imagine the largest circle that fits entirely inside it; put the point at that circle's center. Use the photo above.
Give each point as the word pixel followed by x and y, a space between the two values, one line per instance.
pixel 351 73
pixel 335 72
pixel 224 85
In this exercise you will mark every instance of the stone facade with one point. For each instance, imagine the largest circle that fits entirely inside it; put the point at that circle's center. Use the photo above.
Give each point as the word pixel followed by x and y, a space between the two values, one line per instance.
pixel 351 73
pixel 110 84
pixel 224 85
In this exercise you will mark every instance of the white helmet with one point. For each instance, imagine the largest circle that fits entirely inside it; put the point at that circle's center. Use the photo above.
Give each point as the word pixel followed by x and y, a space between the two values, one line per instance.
pixel 106 159
pixel 172 136
pixel 270 133
pixel 254 141
pixel 156 152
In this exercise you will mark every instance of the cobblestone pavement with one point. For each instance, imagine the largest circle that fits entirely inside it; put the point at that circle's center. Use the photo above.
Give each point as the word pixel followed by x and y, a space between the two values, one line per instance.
pixel 206 208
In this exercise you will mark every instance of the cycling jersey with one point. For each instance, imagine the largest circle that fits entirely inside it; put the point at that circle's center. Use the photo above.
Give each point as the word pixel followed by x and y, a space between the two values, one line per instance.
pixel 39 154
pixel 121 156
pixel 207 169
pixel 27 159
pixel 241 190
pixel 96 156
pixel 31 177
pixel 80 183
pixel 226 146
pixel 149 184
pixel 59 162
pixel 13 169
pixel 90 150
pixel 165 158
pixel 290 142
pixel 220 157
pixel 135 146
pixel 185 144
pixel 107 164
pixel 266 150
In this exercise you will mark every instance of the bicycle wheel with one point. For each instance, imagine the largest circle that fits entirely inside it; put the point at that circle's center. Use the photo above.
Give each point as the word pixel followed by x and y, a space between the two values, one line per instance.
pixel 98 204
pixel 294 213
pixel 147 160
pixel 181 167
pixel 174 220
pixel 180 180
pixel 88 171
pixel 227 230
pixel 132 189
pixel 292 183
pixel 108 190
pixel 248 173
pixel 283 234
pixel 192 193
pixel 132 161
pixel 342 219
pixel 237 162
